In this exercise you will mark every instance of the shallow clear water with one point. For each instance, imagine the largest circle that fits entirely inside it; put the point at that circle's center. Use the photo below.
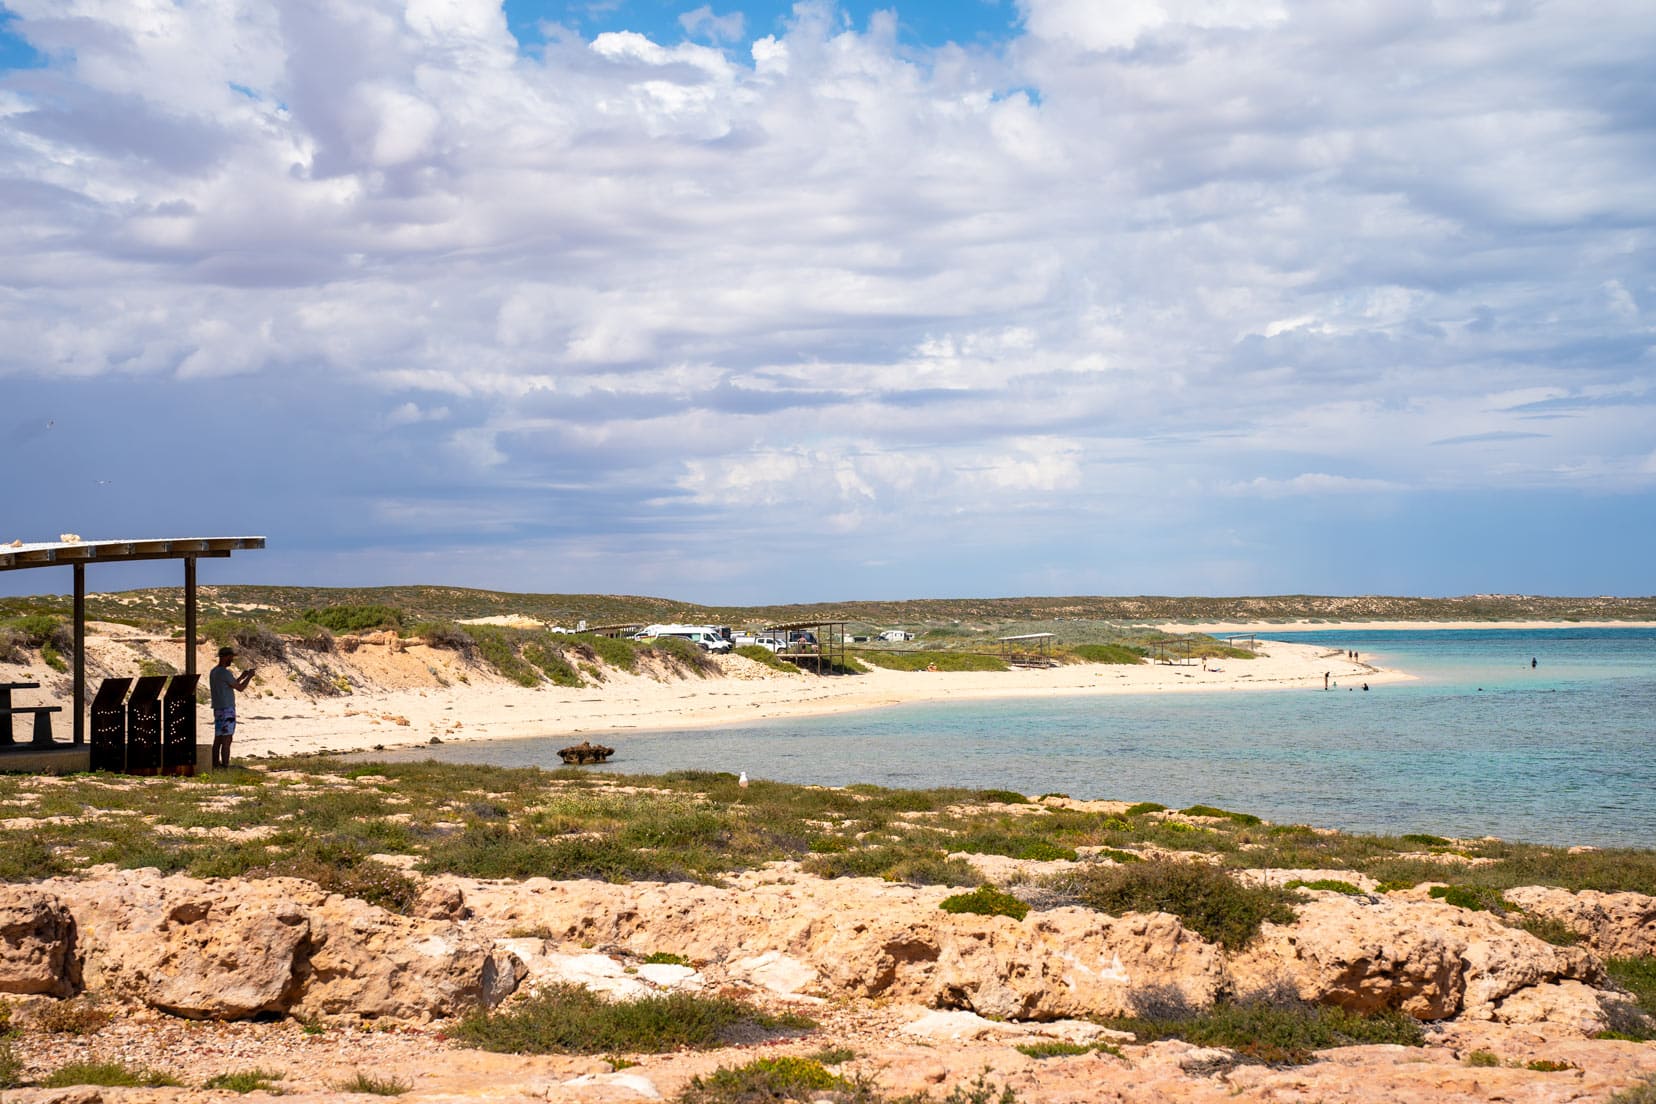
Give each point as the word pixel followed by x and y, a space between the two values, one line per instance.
pixel 1483 743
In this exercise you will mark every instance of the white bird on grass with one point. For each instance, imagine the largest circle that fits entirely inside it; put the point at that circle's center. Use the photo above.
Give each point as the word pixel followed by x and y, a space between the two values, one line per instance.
pixel 741 780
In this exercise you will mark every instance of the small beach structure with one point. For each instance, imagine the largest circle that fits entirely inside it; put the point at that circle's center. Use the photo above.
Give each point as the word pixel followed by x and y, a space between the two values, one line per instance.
pixel 1177 653
pixel 1028 650
pixel 615 632
pixel 819 645
pixel 44 752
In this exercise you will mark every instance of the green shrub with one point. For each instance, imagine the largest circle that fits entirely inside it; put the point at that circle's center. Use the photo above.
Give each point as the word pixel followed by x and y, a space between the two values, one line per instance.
pixel 307 635
pixel 682 655
pixel 355 619
pixel 1424 840
pixel 1245 819
pixel 360 1082
pixel 895 863
pixel 1473 898
pixel 77 1016
pixel 765 1080
pixel 13 646
pixel 1642 1093
pixel 1208 901
pixel 498 648
pixel 1052 1048
pixel 552 663
pixel 921 661
pixel 614 651
pixel 250 640
pixel 25 857
pixel 1272 1027
pixel 764 655
pixel 42 629
pixel 1638 977
pixel 109 1074
pixel 1145 807
pixel 11 1067
pixel 986 900
pixel 1021 843
pixel 833 1056
pixel 334 865
pixel 570 1019
pixel 244 1081
pixel 1333 885
pixel 445 635
pixel 1482 1059
pixel 502 851
pixel 1548 930
pixel 666 958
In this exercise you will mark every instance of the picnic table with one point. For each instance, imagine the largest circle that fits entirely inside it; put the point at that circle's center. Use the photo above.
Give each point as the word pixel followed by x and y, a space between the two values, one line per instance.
pixel 42 734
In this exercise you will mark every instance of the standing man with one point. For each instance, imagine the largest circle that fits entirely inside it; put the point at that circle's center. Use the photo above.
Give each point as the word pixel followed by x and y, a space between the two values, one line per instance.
pixel 224 683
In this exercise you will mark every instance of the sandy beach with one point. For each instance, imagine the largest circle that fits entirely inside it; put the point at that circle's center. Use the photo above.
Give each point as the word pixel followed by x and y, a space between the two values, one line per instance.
pixel 484 708
pixel 1266 628
pixel 400 693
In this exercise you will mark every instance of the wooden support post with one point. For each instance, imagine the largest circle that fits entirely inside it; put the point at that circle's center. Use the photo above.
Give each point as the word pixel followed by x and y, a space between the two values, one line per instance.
pixel 80 654
pixel 189 615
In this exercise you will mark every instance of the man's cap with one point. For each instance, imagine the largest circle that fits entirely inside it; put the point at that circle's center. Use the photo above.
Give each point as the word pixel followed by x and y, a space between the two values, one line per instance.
pixel 226 651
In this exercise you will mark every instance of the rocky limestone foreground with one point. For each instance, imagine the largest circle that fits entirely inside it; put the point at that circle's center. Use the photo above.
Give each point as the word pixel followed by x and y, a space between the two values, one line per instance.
pixel 926 999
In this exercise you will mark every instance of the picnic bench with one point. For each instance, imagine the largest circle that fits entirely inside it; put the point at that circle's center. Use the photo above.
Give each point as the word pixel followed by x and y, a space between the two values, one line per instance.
pixel 42 734
pixel 6 689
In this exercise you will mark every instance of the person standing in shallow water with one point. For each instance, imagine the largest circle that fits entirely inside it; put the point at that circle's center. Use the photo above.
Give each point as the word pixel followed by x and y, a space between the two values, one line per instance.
pixel 223 683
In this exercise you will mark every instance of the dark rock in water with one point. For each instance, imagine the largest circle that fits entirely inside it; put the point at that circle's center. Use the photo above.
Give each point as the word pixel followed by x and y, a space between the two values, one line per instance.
pixel 585 752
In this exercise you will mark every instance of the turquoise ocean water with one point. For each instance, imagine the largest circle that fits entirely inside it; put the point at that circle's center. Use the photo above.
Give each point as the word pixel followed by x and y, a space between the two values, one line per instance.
pixel 1482 743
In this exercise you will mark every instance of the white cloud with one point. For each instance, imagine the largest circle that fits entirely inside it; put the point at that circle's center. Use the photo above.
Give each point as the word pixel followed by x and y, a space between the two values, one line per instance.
pixel 703 23
pixel 848 280
pixel 1311 483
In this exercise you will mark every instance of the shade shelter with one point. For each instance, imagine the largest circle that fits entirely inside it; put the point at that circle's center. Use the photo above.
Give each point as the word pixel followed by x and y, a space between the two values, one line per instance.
pixel 818 644
pixel 78 553
pixel 1028 649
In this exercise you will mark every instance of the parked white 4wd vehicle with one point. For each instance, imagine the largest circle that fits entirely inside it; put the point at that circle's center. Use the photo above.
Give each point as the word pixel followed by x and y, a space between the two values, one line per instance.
pixel 703 636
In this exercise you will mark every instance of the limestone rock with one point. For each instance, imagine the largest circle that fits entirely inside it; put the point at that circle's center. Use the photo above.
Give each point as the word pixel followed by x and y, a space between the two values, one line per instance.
pixel 188 948
pixel 867 938
pixel 441 901
pixel 229 950
pixel 1614 925
pixel 1569 1004
pixel 369 963
pixel 37 935
pixel 1425 958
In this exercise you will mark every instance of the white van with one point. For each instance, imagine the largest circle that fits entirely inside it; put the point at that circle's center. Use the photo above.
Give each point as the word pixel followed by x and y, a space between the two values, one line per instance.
pixel 705 637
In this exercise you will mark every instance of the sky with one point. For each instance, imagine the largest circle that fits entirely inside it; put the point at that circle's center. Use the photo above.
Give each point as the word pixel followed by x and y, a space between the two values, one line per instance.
pixel 769 302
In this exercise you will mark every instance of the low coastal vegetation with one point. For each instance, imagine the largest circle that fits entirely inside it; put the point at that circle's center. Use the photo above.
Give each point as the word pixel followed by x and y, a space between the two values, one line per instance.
pixel 163 606
pixel 1269 1027
pixel 500 822
pixel 571 1019
pixel 1210 902
pixel 324 819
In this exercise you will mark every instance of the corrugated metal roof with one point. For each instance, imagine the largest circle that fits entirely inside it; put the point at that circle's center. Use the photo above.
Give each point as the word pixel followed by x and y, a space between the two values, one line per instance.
pixel 17 554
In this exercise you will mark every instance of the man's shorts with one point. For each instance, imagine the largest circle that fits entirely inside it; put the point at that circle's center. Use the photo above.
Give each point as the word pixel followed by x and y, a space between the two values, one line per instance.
pixel 224 724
